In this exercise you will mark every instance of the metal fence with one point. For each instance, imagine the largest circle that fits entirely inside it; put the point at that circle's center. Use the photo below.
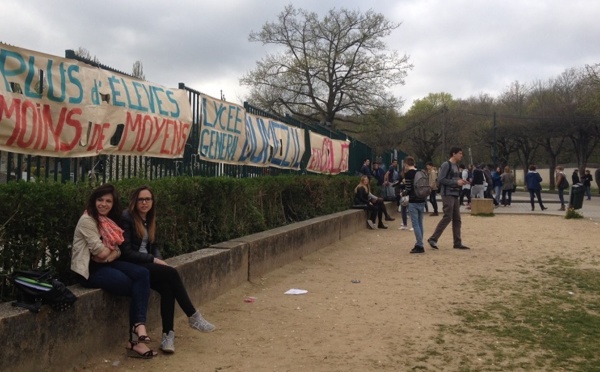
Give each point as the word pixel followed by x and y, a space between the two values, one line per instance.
pixel 115 167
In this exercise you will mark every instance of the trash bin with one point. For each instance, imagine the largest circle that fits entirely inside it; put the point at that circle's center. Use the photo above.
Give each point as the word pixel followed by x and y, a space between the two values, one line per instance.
pixel 576 196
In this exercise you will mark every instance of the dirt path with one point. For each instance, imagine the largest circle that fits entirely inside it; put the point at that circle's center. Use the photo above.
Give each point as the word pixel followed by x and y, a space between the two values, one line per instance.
pixel 390 321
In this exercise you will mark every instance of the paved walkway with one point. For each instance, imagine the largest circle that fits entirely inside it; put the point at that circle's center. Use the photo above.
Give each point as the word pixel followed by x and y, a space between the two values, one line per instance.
pixel 520 205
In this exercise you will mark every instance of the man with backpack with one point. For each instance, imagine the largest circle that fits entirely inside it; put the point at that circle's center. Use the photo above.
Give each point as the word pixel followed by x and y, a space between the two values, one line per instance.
pixel 451 182
pixel 418 189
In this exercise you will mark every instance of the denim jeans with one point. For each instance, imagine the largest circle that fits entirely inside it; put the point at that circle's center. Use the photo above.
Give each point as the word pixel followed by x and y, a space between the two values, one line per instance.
pixel 588 192
pixel 561 196
pixel 498 191
pixel 416 212
pixel 404 216
pixel 123 279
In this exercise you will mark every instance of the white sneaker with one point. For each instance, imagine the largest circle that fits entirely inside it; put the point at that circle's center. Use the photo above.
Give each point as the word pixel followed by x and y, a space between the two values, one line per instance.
pixel 411 229
pixel 372 225
pixel 167 344
pixel 400 208
pixel 403 227
pixel 199 323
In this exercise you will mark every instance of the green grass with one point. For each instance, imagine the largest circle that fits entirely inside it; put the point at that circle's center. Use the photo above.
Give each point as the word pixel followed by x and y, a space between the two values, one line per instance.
pixel 547 322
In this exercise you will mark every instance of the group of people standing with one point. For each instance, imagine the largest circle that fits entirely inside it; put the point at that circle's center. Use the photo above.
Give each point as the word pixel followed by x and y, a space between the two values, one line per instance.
pixel 485 181
pixel 455 182
pixel 448 182
pixel 117 250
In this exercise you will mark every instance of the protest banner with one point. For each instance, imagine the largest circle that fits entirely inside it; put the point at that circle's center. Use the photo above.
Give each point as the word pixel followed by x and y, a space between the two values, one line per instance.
pixel 52 106
pixel 328 155
pixel 231 135
pixel 222 131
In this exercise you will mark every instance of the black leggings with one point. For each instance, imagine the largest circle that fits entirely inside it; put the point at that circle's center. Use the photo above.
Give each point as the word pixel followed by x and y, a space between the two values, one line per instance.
pixel 166 281
pixel 377 211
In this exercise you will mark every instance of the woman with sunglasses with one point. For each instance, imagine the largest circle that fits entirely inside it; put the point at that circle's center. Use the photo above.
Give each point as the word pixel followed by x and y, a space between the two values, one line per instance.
pixel 140 246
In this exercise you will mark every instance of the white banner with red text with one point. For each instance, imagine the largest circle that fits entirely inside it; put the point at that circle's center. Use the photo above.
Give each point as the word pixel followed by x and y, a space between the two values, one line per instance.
pixel 328 156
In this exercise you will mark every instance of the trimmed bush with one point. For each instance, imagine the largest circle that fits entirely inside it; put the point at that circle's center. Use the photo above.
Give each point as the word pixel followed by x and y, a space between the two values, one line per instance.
pixel 37 220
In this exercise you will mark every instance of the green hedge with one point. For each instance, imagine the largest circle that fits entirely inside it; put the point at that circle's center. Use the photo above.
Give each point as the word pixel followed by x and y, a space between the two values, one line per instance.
pixel 37 220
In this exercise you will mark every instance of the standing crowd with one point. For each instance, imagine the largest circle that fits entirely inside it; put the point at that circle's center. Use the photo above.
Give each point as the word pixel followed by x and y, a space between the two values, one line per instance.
pixel 455 184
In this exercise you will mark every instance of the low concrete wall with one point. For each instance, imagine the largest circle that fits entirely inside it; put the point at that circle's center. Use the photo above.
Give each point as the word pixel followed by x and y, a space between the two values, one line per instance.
pixel 59 341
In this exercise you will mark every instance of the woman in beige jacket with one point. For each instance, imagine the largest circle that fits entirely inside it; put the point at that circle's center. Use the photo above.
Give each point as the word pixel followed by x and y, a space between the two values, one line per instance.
pixel 95 261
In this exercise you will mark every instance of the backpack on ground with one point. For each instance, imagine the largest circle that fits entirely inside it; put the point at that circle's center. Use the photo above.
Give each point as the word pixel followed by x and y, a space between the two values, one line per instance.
pixel 37 288
pixel 421 185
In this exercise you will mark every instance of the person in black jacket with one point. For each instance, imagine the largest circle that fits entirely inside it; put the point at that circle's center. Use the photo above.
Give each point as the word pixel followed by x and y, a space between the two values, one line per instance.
pixel 416 205
pixel 363 196
pixel 140 246
pixel 575 177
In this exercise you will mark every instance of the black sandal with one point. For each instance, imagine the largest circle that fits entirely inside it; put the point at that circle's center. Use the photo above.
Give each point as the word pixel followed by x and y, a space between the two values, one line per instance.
pixel 145 339
pixel 135 354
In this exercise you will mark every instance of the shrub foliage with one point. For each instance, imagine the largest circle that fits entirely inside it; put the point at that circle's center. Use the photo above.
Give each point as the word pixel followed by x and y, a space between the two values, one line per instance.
pixel 37 220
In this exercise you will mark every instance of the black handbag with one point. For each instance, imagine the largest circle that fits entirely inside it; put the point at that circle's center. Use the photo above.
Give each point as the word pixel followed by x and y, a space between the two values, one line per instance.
pixel 37 288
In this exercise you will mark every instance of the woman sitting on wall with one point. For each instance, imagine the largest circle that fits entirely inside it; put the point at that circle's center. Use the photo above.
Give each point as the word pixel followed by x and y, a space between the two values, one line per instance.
pixel 95 260
pixel 363 196
pixel 140 246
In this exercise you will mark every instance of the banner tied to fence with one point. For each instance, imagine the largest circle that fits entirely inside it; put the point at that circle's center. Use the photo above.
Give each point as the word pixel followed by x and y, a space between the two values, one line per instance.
pixel 52 106
pixel 229 134
pixel 327 155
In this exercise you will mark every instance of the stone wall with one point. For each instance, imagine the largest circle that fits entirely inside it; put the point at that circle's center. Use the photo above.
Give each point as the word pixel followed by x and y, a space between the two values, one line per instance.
pixel 61 340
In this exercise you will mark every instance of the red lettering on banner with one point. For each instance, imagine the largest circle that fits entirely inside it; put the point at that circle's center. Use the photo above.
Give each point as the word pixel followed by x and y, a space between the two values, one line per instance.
pixel 73 122
pixel 98 137
pixel 8 112
pixel 147 130
pixel 315 159
pixel 33 123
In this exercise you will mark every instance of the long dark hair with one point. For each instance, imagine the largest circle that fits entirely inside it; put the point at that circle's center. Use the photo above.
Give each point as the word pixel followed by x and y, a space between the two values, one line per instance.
pixel 137 219
pixel 114 214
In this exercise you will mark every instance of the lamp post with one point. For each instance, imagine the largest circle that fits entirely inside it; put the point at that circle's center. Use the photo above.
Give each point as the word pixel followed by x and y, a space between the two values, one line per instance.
pixel 495 144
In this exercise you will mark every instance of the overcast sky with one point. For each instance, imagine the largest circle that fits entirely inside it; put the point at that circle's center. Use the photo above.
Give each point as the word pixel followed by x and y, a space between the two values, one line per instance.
pixel 463 47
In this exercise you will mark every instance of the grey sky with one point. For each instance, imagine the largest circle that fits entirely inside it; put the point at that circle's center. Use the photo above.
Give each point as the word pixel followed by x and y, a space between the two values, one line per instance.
pixel 463 47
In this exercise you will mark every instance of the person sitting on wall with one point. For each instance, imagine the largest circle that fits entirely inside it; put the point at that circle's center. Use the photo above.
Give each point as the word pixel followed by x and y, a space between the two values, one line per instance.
pixel 140 247
pixel 363 196
pixel 95 260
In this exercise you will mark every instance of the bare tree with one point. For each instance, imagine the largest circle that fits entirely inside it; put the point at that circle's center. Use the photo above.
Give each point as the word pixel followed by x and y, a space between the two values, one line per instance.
pixel 84 53
pixel 138 70
pixel 328 67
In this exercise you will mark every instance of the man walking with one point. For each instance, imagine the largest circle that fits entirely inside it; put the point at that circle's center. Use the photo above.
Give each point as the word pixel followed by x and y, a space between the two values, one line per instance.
pixel 451 182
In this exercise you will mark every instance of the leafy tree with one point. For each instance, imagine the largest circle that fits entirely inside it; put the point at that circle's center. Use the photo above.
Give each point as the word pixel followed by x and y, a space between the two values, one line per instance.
pixel 430 126
pixel 328 67
pixel 138 70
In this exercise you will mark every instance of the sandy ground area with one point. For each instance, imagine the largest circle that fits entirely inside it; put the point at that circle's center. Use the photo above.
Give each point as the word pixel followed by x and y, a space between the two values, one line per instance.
pixel 389 321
